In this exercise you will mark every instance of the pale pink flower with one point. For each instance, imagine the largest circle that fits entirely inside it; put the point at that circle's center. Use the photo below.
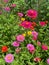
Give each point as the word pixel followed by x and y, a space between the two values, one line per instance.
pixel 9 58
pixel 16 44
pixel 20 14
pixel 32 13
pixel 20 38
pixel 47 61
pixel 44 47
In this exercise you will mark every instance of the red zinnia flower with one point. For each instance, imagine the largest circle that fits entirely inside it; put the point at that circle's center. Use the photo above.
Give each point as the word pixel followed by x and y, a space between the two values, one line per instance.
pixel 4 48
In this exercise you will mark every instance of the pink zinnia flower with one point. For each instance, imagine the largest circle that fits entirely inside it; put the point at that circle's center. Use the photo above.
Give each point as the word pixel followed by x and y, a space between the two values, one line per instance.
pixel 5 1
pixel 16 44
pixel 20 14
pixel 32 13
pixel 31 48
pixel 42 23
pixel 20 38
pixel 44 47
pixel 35 35
pixel 13 5
pixel 26 24
pixel 47 61
pixel 7 9
pixel 9 58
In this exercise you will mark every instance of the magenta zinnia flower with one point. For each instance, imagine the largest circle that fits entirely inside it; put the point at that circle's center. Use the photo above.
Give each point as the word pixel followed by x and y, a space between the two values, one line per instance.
pixel 20 38
pixel 9 58
pixel 16 44
pixel 42 23
pixel 44 47
pixel 35 35
pixel 32 13
pixel 7 9
pixel 31 48
pixel 26 24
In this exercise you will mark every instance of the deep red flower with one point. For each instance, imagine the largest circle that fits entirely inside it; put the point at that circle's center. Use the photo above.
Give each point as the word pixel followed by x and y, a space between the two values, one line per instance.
pixel 4 48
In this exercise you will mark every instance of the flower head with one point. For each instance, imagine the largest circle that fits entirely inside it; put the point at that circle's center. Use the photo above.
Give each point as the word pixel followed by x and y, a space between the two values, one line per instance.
pixel 16 44
pixel 20 38
pixel 4 48
pixel 18 50
pixel 44 47
pixel 37 59
pixel 47 61
pixel 38 43
pixel 22 19
pixel 42 23
pixel 32 13
pixel 13 5
pixel 20 14
pixel 5 1
pixel 31 48
pixel 26 24
pixel 9 58
pixel 7 9
pixel 29 32
pixel 35 35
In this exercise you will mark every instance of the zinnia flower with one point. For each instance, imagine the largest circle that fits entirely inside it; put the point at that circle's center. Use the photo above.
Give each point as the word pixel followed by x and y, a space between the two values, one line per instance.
pixel 32 13
pixel 4 48
pixel 29 32
pixel 5 1
pixel 31 48
pixel 44 47
pixel 16 44
pixel 7 9
pixel 42 23
pixel 35 35
pixel 13 5
pixel 26 24
pixel 22 19
pixel 38 43
pixel 18 50
pixel 20 38
pixel 20 14
pixel 9 58
pixel 47 61
pixel 37 59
